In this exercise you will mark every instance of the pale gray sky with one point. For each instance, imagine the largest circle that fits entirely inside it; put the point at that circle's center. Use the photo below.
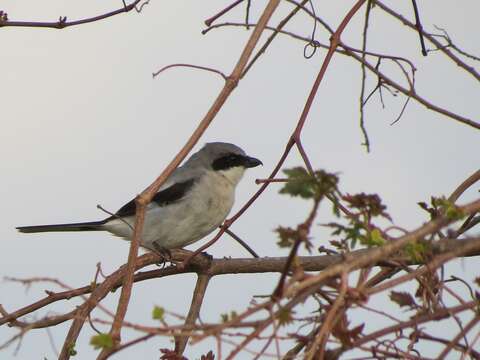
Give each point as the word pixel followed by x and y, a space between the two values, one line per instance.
pixel 85 124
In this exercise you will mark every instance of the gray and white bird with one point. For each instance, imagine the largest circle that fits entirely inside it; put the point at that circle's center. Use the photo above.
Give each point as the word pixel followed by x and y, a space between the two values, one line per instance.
pixel 192 203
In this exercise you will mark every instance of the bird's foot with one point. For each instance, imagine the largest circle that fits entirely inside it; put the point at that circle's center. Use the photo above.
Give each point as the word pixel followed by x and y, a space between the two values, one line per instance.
pixel 164 253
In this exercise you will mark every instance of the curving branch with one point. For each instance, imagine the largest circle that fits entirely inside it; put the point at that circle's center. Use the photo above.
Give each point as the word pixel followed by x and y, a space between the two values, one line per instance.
pixel 409 92
pixel 63 23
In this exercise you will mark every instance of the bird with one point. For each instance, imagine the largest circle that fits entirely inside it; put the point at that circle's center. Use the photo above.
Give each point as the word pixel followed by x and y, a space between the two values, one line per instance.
pixel 194 200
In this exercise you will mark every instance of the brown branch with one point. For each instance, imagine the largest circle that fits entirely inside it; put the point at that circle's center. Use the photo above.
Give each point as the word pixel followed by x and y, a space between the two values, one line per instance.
pixel 241 242
pixel 63 23
pixel 122 306
pixel 295 138
pixel 390 82
pixel 470 69
pixel 383 252
pixel 363 78
pixel 460 248
pixel 418 26
pixel 472 179
pixel 132 342
pixel 334 43
pixel 262 181
pixel 413 94
pixel 303 229
pixel 66 295
pixel 210 20
pixel 145 197
pixel 98 293
pixel 450 44
pixel 457 338
pixel 197 300
pixel 438 315
pixel 347 50
pixel 464 348
pixel 272 36
pixel 270 338
pixel 300 290
pixel 259 328
pixel 219 267
pixel 156 73
pixel 318 345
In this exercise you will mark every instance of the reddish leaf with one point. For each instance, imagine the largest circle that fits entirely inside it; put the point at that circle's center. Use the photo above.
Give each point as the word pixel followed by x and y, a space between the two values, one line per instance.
pixel 208 356
pixel 168 354
pixel 403 299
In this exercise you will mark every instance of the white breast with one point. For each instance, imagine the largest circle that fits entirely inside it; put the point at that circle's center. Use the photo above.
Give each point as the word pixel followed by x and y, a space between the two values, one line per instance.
pixel 176 225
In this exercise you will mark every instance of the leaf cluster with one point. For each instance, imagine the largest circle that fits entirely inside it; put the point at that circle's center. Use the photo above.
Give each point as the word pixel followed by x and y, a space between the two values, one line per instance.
pixel 360 229
pixel 344 333
pixel 158 313
pixel 228 316
pixel 101 341
pixel 367 205
pixel 441 205
pixel 363 209
pixel 309 186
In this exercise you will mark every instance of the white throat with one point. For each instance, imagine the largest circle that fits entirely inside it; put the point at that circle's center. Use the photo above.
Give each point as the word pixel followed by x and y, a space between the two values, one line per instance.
pixel 233 175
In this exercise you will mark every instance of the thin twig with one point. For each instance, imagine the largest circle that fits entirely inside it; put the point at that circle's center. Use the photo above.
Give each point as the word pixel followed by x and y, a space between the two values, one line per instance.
pixel 197 300
pixel 62 23
pixel 145 197
pixel 210 20
pixel 156 73
pixel 241 242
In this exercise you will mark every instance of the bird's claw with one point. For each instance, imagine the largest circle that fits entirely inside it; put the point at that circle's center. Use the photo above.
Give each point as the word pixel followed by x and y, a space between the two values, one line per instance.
pixel 164 253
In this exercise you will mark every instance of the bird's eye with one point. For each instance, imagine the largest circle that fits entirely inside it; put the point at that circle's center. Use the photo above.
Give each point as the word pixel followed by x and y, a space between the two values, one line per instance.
pixel 227 161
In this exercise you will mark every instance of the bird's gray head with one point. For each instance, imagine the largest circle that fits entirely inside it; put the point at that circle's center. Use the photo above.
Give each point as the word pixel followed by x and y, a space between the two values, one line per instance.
pixel 227 159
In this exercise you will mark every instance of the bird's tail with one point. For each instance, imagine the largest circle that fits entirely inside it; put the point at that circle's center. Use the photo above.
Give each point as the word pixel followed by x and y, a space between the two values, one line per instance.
pixel 83 226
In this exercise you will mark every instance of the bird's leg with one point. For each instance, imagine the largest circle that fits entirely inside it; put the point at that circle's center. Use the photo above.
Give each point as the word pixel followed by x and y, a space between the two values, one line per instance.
pixel 164 253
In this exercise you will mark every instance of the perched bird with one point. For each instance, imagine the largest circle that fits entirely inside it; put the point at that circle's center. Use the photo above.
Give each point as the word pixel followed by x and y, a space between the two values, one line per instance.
pixel 193 202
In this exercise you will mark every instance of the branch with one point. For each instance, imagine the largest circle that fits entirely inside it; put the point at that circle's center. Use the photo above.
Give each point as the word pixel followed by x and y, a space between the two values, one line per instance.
pixel 62 23
pixel 453 57
pixel 197 299
pixel 347 50
pixel 145 197
pixel 472 179
pixel 222 267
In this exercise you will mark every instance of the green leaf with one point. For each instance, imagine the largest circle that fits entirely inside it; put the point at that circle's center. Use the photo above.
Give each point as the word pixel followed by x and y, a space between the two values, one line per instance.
pixel 376 238
pixel 353 233
pixel 227 317
pixel 285 316
pixel 71 349
pixel 451 211
pixel 102 341
pixel 287 236
pixel 416 251
pixel 309 186
pixel 158 313
pixel 300 183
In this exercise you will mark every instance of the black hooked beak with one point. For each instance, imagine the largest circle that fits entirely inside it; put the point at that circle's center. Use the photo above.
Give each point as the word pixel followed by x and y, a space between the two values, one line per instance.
pixel 250 162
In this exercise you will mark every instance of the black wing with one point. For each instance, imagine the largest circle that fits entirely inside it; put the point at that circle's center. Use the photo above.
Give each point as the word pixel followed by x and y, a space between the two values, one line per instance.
pixel 167 196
